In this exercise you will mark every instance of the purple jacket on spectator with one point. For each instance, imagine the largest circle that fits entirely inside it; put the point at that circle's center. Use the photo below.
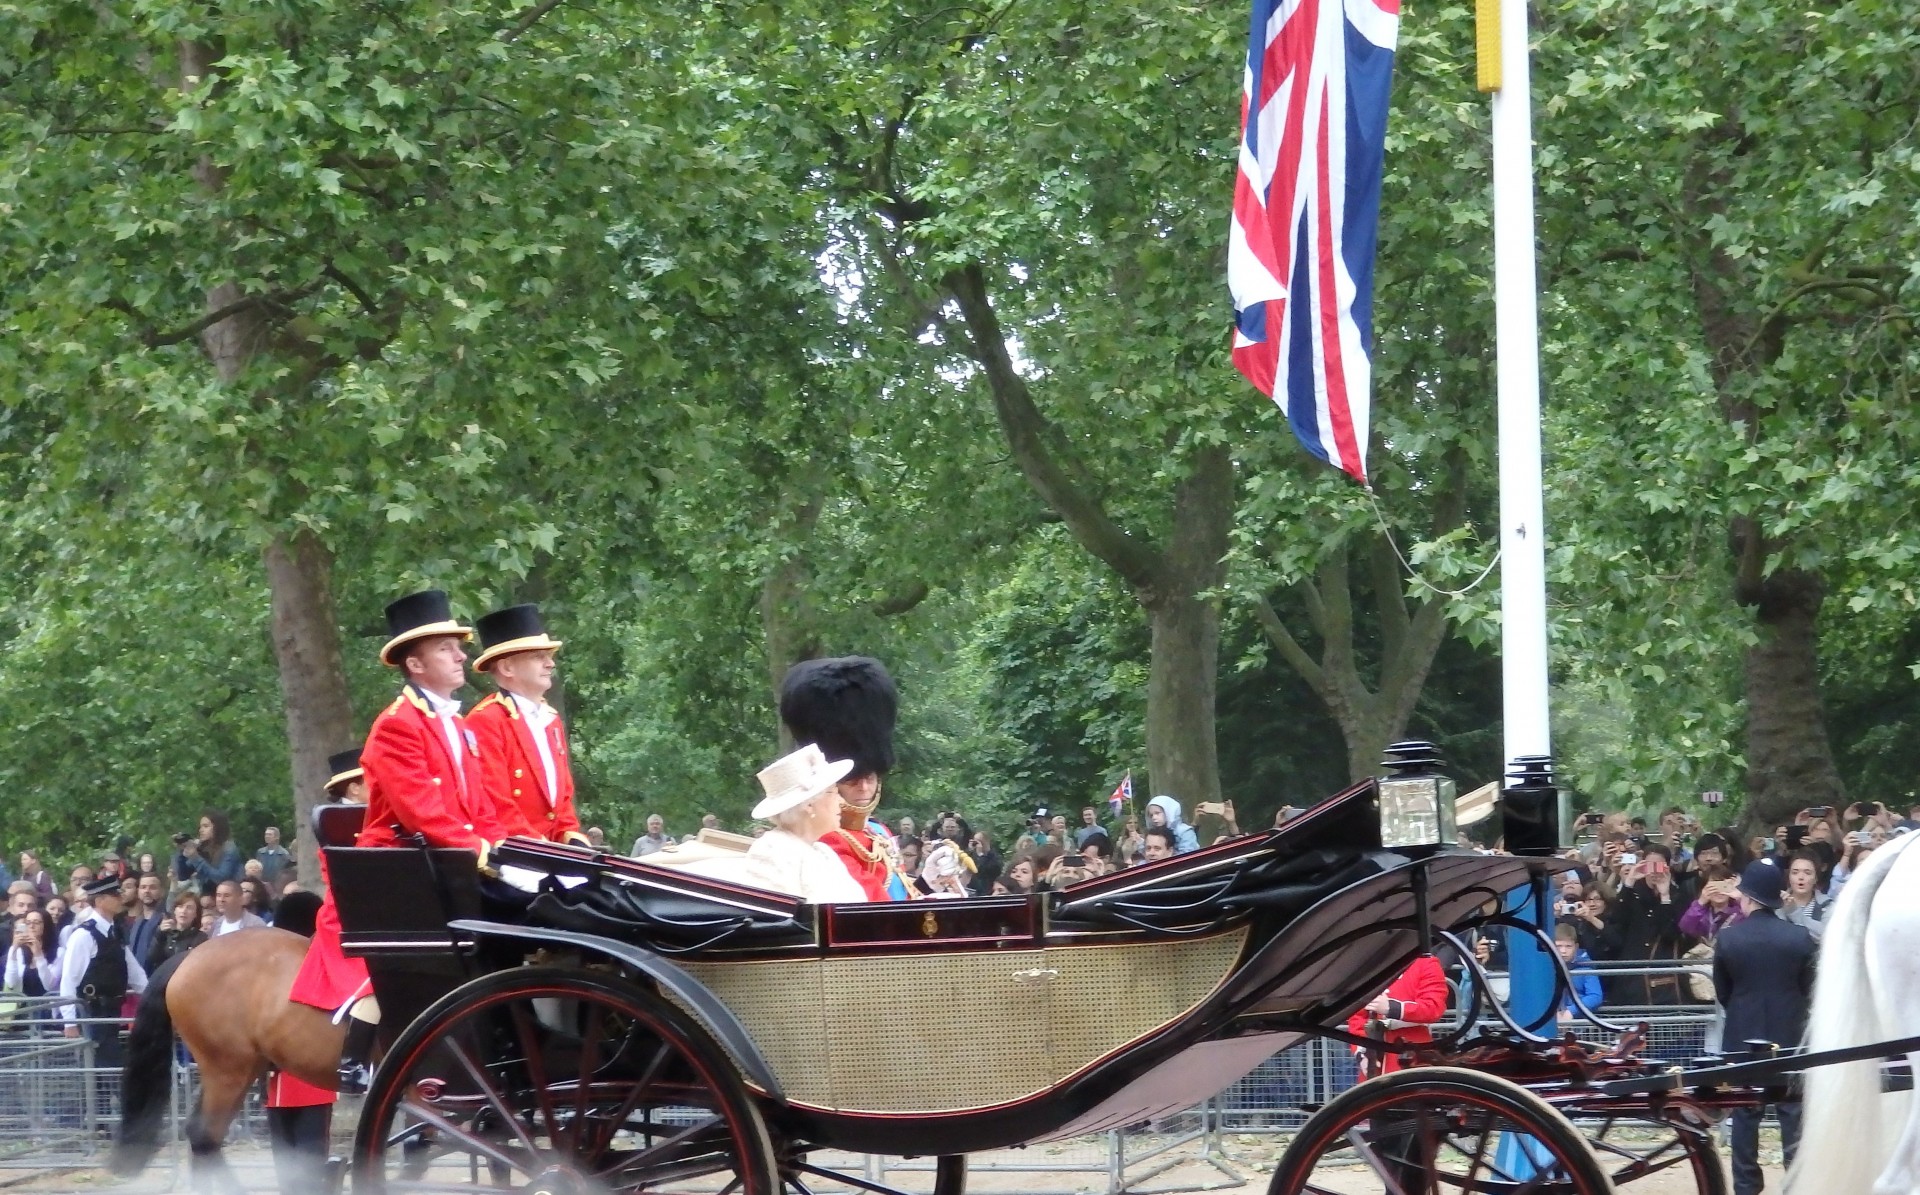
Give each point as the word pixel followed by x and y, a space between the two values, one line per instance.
pixel 1703 921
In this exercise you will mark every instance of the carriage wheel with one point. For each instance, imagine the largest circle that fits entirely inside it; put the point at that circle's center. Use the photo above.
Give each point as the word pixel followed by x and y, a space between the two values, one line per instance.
pixel 1438 1131
pixel 562 1082
pixel 1635 1147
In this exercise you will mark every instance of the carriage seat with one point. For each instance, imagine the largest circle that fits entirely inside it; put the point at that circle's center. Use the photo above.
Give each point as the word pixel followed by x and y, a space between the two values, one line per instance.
pixel 338 824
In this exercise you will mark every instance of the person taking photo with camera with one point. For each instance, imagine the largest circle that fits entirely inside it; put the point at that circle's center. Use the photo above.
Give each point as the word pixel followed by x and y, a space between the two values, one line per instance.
pixel 210 858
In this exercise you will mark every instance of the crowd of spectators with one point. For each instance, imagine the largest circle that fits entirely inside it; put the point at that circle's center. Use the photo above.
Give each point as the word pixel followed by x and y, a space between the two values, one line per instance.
pixel 204 887
pixel 1643 894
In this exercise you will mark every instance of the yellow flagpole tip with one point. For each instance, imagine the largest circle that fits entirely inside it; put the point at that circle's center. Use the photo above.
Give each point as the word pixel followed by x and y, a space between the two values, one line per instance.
pixel 1486 44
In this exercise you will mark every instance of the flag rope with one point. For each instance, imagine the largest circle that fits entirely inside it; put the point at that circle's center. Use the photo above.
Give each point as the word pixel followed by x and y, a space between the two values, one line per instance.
pixel 1380 516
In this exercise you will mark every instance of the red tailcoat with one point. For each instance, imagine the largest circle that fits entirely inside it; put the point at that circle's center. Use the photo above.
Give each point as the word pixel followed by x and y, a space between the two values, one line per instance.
pixel 1421 993
pixel 511 774
pixel 413 787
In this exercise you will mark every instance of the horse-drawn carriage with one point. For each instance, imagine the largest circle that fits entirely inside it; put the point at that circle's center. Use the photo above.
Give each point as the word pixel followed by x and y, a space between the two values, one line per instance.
pixel 634 1027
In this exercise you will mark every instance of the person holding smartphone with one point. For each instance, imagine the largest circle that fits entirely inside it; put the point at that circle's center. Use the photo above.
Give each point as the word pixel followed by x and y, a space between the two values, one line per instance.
pixel 1649 919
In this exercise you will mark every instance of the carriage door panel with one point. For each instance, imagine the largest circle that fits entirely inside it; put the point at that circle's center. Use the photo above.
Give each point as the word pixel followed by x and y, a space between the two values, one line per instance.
pixel 912 1009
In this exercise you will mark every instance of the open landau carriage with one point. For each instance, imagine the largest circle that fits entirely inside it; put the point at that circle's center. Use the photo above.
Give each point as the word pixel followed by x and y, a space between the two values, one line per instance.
pixel 640 1028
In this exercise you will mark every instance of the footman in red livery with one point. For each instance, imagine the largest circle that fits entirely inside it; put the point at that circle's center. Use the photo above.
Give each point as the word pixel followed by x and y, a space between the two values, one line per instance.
pixel 524 763
pixel 422 767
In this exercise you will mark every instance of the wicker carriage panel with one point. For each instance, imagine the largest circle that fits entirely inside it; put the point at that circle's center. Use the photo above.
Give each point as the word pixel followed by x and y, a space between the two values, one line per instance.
pixel 920 1009
pixel 784 1008
pixel 1107 996
pixel 876 1033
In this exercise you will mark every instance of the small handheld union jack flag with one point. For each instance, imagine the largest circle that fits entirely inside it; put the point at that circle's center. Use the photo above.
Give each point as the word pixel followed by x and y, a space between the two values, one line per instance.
pixel 1306 208
pixel 1121 796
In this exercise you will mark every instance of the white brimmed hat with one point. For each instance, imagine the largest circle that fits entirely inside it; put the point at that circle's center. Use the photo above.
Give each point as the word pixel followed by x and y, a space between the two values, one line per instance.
pixel 793 780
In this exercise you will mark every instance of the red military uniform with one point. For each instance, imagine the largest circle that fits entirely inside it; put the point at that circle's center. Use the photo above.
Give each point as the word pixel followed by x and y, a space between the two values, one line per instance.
pixel 869 860
pixel 513 776
pixel 414 786
pixel 1419 998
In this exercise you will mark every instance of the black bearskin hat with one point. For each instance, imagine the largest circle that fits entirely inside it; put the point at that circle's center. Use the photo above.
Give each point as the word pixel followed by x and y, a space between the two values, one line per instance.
pixel 846 706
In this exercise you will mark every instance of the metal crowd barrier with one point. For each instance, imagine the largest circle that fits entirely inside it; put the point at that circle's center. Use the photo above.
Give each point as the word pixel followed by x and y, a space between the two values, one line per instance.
pixel 56 1103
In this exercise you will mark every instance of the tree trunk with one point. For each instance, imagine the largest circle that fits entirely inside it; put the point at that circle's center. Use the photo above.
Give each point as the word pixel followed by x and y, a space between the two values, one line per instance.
pixel 1410 638
pixel 306 637
pixel 1166 580
pixel 1789 758
pixel 1182 759
pixel 313 681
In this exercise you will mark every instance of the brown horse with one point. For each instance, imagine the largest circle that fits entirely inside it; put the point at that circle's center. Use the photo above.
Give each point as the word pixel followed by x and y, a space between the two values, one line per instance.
pixel 227 999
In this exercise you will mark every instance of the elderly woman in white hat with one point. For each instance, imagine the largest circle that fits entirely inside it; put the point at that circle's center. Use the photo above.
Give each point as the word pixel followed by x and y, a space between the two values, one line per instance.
pixel 803 803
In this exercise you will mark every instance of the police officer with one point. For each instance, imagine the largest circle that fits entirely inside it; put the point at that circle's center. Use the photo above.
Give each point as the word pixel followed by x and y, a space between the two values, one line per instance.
pixel 1763 974
pixel 97 972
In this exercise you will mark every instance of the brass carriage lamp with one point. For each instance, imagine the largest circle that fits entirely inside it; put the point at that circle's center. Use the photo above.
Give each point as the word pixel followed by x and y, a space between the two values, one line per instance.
pixel 1416 798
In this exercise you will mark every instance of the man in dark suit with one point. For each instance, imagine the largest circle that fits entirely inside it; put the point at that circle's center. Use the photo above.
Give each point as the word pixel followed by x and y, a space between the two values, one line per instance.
pixel 1763 975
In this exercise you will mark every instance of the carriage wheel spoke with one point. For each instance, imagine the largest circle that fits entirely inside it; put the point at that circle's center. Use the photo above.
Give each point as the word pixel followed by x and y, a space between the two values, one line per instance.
pixel 474 1072
pixel 1476 1160
pixel 603 1142
pixel 590 1035
pixel 468 1141
pixel 1372 1159
pixel 663 1149
pixel 525 1030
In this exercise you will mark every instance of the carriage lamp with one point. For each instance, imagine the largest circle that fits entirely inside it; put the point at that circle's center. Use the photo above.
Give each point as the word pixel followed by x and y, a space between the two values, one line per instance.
pixel 1534 811
pixel 1416 798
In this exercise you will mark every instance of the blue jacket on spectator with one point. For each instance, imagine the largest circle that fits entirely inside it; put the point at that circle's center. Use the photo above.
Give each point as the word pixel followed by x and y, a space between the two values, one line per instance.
pixel 1586 986
pixel 207 875
pixel 1184 839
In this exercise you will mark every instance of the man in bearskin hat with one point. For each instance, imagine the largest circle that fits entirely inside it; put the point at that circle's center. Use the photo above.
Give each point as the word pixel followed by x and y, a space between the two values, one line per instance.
pixel 422 773
pixel 523 744
pixel 846 706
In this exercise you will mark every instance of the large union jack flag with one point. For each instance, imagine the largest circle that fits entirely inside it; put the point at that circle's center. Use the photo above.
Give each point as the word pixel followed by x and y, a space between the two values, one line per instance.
pixel 1306 207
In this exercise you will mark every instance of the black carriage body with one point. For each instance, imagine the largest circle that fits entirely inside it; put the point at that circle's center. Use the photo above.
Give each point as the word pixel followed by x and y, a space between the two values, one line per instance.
pixel 1113 1001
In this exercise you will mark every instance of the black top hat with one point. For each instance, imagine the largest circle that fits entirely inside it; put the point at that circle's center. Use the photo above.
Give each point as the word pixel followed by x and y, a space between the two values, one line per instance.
pixel 846 706
pixel 419 616
pixel 344 766
pixel 516 628
pixel 106 885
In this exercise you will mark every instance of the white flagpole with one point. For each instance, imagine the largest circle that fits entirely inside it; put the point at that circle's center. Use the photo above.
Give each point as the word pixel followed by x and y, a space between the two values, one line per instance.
pixel 1523 547
pixel 1523 541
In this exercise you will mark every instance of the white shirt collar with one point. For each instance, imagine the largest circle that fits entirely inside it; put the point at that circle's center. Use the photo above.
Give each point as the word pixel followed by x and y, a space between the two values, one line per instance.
pixel 441 705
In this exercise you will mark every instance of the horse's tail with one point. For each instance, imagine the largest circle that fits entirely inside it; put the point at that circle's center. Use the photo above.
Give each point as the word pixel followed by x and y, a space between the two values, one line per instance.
pixel 1849 1129
pixel 146 1083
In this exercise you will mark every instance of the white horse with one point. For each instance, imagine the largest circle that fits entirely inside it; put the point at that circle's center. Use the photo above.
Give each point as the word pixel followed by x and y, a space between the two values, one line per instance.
pixel 1854 1139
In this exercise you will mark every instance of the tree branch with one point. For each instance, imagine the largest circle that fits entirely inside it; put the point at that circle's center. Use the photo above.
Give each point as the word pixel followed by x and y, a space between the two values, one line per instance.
pixel 153 339
pixel 1026 431
pixel 528 21
pixel 1288 647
